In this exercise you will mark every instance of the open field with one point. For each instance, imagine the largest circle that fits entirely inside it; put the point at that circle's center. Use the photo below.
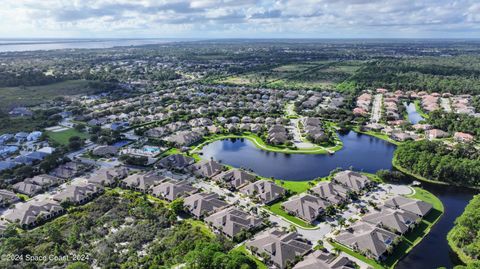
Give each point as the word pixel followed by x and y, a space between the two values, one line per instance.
pixel 33 95
pixel 64 136
pixel 309 75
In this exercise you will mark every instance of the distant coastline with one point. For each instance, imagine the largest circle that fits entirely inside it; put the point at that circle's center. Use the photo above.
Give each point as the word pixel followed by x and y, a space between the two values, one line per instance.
pixel 19 45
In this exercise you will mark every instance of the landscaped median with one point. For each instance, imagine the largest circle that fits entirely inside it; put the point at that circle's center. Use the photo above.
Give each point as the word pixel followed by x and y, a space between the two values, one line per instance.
pixel 409 240
pixel 259 143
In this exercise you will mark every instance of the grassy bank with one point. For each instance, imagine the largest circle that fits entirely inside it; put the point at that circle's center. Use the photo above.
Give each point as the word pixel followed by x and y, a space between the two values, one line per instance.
pixel 419 109
pixel 243 249
pixel 377 135
pixel 259 143
pixel 419 177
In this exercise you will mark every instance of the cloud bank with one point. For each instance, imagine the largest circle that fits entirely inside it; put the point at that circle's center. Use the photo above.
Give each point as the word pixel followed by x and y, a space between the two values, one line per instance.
pixel 240 18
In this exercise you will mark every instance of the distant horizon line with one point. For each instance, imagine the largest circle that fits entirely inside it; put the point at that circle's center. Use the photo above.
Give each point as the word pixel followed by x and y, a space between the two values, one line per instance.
pixel 237 38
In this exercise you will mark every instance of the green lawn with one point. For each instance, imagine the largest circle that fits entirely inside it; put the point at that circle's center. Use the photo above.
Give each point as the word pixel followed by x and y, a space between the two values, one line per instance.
pixel 63 136
pixel 277 210
pixel 295 186
pixel 428 197
pixel 243 249
pixel 419 109
pixel 357 255
pixel 377 135
pixel 203 227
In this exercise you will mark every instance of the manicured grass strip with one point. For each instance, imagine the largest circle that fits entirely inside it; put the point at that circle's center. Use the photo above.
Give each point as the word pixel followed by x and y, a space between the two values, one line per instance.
pixel 277 210
pixel 64 136
pixel 357 255
pixel 243 249
pixel 428 197
pixel 295 187
pixel 377 135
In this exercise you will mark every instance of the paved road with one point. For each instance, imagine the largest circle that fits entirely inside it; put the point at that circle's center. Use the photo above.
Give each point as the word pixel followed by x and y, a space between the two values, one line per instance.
pixel 376 108
pixel 445 104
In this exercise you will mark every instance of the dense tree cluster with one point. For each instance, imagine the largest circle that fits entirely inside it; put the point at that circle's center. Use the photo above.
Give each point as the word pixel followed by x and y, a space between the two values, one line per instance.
pixel 453 122
pixel 456 75
pixel 465 235
pixel 121 231
pixel 435 160
pixel 26 77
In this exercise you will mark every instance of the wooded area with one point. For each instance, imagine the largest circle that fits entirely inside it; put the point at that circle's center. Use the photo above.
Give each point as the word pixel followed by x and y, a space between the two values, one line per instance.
pixel 465 236
pixel 436 161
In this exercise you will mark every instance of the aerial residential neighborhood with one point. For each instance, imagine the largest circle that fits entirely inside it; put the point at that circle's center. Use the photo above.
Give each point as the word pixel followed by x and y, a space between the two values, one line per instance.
pixel 240 134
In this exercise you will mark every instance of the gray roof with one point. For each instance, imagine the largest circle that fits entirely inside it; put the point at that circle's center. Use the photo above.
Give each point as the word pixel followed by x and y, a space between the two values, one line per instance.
pixel 306 207
pixel 235 177
pixel 78 193
pixel 330 191
pixel 172 190
pixel 201 204
pixel 27 213
pixel 7 197
pixel 107 176
pixel 266 190
pixel 143 181
pixel 367 237
pixel 352 180
pixel 395 220
pixel 418 207
pixel 325 260
pixel 4 165
pixel 231 221
pixel 184 138
pixel 44 180
pixel 280 246
pixel 68 170
pixel 178 161
pixel 27 188
pixel 208 168
pixel 105 150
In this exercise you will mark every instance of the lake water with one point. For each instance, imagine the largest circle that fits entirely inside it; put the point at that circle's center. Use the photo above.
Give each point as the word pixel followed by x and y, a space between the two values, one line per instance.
pixel 434 251
pixel 11 45
pixel 360 152
pixel 413 116
pixel 363 153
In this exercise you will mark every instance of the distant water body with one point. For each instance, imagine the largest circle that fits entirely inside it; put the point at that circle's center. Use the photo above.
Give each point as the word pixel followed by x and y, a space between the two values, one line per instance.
pixel 15 45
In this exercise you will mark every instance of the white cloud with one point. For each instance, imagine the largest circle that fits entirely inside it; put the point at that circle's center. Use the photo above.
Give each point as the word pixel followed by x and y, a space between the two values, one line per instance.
pixel 240 18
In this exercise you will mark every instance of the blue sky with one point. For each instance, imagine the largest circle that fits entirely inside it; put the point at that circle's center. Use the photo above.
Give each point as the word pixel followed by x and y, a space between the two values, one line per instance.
pixel 240 18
